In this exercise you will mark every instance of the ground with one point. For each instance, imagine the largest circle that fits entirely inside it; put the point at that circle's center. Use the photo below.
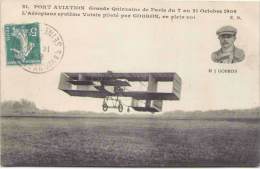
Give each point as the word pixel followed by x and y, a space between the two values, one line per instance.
pixel 134 142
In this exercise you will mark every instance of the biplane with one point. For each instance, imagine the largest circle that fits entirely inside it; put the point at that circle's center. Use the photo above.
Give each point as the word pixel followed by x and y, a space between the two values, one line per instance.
pixel 112 86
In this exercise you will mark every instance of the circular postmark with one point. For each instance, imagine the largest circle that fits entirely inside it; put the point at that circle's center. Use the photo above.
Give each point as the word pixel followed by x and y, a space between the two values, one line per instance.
pixel 52 50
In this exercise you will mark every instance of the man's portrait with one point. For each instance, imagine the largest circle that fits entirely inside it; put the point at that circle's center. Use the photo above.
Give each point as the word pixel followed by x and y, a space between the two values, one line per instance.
pixel 228 53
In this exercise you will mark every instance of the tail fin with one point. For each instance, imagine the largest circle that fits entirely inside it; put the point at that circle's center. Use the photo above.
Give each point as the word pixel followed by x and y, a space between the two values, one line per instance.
pixel 147 105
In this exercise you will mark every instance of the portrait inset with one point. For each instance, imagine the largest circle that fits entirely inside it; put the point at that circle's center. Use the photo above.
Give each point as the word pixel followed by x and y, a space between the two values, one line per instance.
pixel 228 53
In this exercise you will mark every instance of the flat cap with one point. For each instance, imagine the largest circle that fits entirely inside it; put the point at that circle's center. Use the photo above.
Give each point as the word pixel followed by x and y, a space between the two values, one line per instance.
pixel 227 30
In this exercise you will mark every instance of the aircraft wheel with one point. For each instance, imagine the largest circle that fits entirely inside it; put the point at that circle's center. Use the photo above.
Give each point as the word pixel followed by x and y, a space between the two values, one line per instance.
pixel 105 107
pixel 120 107
pixel 128 109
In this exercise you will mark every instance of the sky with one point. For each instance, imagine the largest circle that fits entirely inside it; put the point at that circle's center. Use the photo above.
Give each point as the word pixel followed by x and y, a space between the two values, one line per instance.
pixel 138 45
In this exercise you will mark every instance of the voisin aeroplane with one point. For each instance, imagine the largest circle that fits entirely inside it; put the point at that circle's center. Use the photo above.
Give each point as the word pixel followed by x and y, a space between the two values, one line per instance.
pixel 112 87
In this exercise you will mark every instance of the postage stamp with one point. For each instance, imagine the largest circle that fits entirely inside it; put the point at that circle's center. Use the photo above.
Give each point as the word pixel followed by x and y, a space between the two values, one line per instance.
pixel 22 43
pixel 52 50
pixel 36 47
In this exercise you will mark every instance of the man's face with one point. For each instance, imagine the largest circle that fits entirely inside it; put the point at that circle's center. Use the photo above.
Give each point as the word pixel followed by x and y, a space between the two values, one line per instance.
pixel 227 40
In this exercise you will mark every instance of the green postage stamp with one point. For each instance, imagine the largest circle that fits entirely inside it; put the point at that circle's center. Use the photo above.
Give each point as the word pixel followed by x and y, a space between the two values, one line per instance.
pixel 22 43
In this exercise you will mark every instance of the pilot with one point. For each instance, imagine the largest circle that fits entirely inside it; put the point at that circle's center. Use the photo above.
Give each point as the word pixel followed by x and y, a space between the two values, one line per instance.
pixel 228 53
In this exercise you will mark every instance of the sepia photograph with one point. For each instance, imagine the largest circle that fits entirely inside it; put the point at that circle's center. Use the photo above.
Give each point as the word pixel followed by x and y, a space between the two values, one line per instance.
pixel 228 53
pixel 131 83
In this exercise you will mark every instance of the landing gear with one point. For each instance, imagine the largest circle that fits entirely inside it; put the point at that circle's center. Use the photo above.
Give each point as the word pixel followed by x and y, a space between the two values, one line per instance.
pixel 112 102
pixel 120 107
pixel 104 107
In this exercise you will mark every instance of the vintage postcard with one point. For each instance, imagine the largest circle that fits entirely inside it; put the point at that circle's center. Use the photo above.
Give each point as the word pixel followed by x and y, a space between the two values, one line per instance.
pixel 133 83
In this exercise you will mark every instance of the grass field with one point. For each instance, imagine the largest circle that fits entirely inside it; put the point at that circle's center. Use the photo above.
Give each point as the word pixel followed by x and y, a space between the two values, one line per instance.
pixel 153 142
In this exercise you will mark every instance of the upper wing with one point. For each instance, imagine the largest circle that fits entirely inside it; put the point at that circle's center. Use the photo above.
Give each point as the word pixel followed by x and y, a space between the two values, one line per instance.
pixel 128 76
pixel 103 84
